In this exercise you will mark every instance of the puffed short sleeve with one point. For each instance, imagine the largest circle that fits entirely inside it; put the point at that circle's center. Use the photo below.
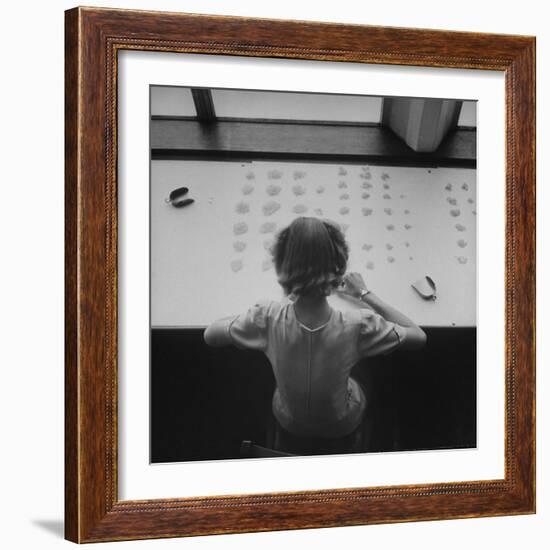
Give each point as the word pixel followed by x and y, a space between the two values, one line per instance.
pixel 376 335
pixel 249 330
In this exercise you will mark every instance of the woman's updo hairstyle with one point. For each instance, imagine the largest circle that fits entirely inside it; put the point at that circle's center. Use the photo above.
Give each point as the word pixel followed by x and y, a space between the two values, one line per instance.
pixel 310 256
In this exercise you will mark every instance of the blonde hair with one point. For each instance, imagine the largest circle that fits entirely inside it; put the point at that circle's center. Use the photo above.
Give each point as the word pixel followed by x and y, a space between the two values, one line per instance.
pixel 310 256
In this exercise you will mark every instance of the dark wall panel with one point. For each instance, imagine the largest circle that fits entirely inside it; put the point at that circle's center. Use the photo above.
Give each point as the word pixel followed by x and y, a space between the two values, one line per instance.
pixel 205 401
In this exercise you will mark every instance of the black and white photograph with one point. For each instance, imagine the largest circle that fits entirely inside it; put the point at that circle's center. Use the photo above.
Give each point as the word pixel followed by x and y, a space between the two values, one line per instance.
pixel 271 275
pixel 313 274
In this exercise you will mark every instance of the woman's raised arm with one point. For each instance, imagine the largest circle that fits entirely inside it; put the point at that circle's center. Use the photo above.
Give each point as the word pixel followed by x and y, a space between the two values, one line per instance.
pixel 355 286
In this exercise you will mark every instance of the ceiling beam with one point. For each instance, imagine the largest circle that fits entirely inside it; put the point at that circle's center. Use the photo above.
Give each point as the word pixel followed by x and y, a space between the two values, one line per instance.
pixel 204 104
pixel 421 123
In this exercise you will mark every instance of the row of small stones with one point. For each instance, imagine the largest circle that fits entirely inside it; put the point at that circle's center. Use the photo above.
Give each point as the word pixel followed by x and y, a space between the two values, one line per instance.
pixel 301 174
pixel 455 212
pixel 274 189
pixel 270 207
pixel 240 228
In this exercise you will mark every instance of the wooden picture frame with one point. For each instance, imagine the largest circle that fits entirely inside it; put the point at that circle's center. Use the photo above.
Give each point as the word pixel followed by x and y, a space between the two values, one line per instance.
pixel 93 511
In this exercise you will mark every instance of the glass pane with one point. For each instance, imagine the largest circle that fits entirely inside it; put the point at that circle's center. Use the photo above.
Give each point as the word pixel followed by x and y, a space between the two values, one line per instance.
pixel 296 106
pixel 467 115
pixel 172 101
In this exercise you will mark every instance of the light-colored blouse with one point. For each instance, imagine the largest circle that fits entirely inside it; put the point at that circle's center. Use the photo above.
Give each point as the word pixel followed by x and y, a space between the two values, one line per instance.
pixel 315 395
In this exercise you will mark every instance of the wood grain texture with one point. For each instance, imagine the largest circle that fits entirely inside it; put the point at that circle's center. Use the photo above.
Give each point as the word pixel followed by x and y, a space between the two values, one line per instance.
pixel 71 271
pixel 93 38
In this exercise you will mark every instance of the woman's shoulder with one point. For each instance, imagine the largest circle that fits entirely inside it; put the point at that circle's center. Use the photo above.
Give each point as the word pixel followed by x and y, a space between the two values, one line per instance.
pixel 365 319
pixel 263 309
pixel 267 304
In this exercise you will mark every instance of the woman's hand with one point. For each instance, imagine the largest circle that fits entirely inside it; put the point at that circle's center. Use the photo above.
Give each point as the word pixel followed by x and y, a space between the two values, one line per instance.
pixel 353 284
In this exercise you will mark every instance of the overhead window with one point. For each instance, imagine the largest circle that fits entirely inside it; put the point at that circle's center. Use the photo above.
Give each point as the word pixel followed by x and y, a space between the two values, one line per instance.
pixel 468 114
pixel 172 101
pixel 296 106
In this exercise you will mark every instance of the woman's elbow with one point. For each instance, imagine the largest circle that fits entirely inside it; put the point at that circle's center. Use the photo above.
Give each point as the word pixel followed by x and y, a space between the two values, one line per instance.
pixel 420 338
pixel 415 339
pixel 210 337
pixel 215 336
